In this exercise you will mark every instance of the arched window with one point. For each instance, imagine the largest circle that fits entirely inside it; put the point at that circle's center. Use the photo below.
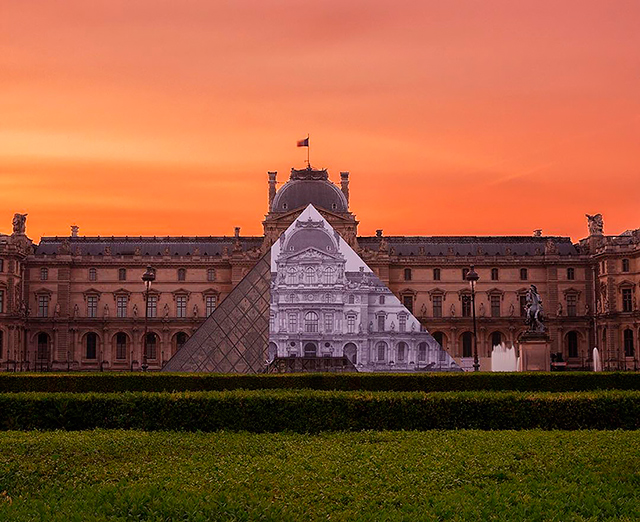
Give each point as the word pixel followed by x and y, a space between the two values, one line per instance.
pixel 121 345
pixel 422 352
pixel 44 274
pixel 604 339
pixel 351 352
pixel 152 345
pixel 572 344
pixel 309 275
pixel 524 274
pixel 329 276
pixel 93 274
pixel 310 350
pixel 272 352
pixel 181 338
pixel 628 343
pixel 401 351
pixel 122 274
pixel 439 337
pixel 211 274
pixel 292 278
pixel 436 274
pixel 571 273
pixel 91 345
pixel 43 346
pixel 182 274
pixel 381 350
pixel 407 274
pixel 311 322
pixel 467 344
pixel 496 339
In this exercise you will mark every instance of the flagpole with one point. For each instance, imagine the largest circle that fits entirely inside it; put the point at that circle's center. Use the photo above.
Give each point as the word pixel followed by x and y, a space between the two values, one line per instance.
pixel 308 148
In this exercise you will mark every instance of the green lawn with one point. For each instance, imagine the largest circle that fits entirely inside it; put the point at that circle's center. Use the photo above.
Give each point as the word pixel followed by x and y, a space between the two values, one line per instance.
pixel 433 475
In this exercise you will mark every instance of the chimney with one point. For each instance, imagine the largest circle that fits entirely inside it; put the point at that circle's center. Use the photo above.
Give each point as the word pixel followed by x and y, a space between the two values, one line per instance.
pixel 344 182
pixel 379 232
pixel 237 232
pixel 74 230
pixel 272 186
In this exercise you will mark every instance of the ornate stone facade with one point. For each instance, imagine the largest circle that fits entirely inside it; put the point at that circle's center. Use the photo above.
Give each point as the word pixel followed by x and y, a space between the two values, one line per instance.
pixel 77 302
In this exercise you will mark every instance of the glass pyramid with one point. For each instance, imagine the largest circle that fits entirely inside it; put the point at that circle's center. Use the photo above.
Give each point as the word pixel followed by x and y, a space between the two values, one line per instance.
pixel 311 303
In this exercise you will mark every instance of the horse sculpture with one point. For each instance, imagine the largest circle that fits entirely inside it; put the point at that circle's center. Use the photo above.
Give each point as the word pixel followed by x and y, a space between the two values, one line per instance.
pixel 534 315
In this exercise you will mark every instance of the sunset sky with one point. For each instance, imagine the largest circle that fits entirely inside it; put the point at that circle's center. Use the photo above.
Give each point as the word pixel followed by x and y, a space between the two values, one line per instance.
pixel 453 117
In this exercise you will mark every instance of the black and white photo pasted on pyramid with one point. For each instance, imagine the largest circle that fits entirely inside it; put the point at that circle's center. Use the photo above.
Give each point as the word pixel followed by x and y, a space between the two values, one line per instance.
pixel 326 302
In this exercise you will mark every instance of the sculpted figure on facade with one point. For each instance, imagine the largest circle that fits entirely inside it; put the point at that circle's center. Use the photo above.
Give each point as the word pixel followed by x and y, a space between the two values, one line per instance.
pixel 135 310
pixel 596 224
pixel 512 310
pixel 482 310
pixel 195 310
pixel 105 311
pixel 453 310
pixel 20 224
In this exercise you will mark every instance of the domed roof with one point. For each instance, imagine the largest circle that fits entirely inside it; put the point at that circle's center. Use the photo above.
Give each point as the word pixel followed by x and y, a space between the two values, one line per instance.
pixel 309 186
pixel 310 237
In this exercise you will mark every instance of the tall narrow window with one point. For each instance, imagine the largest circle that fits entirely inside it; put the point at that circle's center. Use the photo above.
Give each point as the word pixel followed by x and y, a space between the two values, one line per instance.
pixel 465 271
pixel 496 339
pixel 495 305
pixel 43 306
pixel 571 273
pixel 627 300
pixel 402 323
pixel 381 348
pixel 211 274
pixel 381 323
pixel 523 305
pixel 152 345
pixel 401 351
pixel 572 305
pixel 92 306
pixel 407 274
pixel 628 343
pixel 381 301
pixel 466 305
pixel 1 301
pixel 309 275
pixel 439 338
pixel 1 344
pixel 311 322
pixel 352 299
pixel 122 274
pixel 422 352
pixel 572 344
pixel 210 304
pixel 272 322
pixel 181 339
pixel 436 274
pixel 91 346
pixel 329 276
pixel 44 274
pixel 152 306
pixel 407 301
pixel 293 322
pixel 1 265
pixel 121 305
pixel 467 344
pixel 181 306
pixel 328 322
pixel 625 265
pixel 182 274
pixel 437 306
pixel 43 346
pixel 121 345
pixel 494 274
pixel 351 324
pixel 93 274
pixel 524 274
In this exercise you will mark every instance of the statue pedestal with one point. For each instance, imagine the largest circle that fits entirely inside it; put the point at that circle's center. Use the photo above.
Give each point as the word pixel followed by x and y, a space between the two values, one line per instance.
pixel 535 352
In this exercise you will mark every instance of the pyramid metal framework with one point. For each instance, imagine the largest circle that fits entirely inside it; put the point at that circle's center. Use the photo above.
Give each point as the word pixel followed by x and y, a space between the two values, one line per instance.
pixel 234 338
pixel 248 329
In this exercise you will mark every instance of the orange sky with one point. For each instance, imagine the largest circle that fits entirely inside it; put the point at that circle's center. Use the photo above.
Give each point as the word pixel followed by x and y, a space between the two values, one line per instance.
pixel 476 117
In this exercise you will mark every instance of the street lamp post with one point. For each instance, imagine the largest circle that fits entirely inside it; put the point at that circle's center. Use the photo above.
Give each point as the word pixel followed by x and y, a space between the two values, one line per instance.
pixel 472 277
pixel 148 277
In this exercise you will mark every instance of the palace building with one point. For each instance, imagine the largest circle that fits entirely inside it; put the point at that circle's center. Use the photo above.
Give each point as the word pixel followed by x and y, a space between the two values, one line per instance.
pixel 77 302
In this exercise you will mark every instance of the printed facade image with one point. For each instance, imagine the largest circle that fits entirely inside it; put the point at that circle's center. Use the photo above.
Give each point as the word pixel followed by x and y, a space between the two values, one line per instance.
pixel 326 302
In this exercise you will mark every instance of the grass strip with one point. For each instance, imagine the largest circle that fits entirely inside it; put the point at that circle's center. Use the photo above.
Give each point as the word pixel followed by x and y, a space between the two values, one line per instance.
pixel 311 411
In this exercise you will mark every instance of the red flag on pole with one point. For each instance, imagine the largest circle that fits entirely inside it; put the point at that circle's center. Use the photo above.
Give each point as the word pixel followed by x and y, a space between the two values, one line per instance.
pixel 303 143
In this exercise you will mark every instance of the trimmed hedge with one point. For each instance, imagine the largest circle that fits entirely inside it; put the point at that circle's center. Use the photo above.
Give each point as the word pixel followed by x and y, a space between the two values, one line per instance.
pixel 429 382
pixel 312 411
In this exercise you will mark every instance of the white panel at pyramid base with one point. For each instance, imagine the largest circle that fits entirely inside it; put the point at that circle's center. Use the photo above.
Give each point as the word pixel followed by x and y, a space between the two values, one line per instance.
pixel 326 302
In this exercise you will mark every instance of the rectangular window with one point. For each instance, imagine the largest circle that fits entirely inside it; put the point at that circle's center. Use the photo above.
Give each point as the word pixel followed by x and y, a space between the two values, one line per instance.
pixel 121 305
pixel 466 306
pixel 93 274
pixel 625 265
pixel 402 323
pixel 571 274
pixel 210 304
pixel 92 306
pixel 524 274
pixel 152 306
pixel 181 306
pixel 437 306
pixel 407 301
pixel 572 305
pixel 43 306
pixel 523 305
pixel 627 300
pixel 351 324
pixel 122 274
pixel 44 274
pixel 121 346
pixel 436 274
pixel 495 306
pixel 494 274
pixel 1 265
pixel 1 301
pixel 328 322
pixel 293 323
pixel 381 323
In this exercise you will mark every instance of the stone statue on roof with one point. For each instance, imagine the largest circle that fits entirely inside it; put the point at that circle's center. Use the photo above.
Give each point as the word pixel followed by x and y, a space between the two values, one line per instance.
pixel 19 224
pixel 596 224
